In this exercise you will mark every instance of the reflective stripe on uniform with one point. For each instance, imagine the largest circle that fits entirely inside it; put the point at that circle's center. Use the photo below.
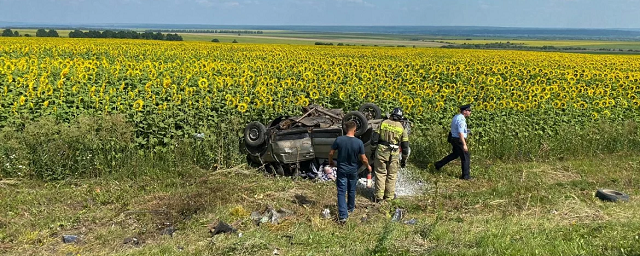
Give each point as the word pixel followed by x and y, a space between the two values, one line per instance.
pixel 391 128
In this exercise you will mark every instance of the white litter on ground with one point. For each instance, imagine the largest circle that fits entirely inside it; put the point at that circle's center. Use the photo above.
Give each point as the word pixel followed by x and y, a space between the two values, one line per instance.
pixel 405 186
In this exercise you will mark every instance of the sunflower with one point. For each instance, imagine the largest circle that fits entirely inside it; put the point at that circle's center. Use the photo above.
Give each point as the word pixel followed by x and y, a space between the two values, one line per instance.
pixel 203 83
pixel 314 94
pixel 138 105
pixel 242 107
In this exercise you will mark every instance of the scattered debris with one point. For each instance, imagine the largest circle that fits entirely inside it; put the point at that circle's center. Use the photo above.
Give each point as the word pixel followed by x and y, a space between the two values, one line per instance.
pixel 221 228
pixel 406 186
pixel 276 251
pixel 198 136
pixel 132 241
pixel 611 195
pixel 270 215
pixel 240 234
pixel 364 219
pixel 326 213
pixel 168 231
pixel 411 222
pixel 70 239
pixel 302 200
pixel 398 214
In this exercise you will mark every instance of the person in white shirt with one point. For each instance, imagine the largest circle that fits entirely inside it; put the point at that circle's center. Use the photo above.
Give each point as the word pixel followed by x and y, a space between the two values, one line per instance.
pixel 458 140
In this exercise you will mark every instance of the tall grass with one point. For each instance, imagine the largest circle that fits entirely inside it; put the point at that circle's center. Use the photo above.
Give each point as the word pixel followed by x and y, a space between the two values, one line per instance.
pixel 94 146
pixel 430 144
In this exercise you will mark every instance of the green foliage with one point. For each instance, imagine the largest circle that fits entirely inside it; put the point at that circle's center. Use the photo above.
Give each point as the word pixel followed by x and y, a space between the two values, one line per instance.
pixel 8 33
pixel 94 146
pixel 124 34
pixel 43 33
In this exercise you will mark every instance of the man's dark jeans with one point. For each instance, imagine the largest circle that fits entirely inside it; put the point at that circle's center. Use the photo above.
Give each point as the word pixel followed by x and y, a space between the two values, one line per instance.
pixel 457 151
pixel 346 184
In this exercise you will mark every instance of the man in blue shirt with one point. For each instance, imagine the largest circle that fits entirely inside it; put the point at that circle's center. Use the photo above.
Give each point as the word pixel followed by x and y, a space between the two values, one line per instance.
pixel 458 140
pixel 350 155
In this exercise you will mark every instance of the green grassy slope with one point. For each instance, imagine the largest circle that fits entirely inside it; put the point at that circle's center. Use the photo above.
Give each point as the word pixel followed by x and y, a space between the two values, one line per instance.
pixel 544 208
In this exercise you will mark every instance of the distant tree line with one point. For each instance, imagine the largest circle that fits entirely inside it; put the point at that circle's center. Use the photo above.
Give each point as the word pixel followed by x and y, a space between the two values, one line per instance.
pixel 124 34
pixel 509 45
pixel 521 46
pixel 40 33
pixel 8 33
pixel 43 33
pixel 207 31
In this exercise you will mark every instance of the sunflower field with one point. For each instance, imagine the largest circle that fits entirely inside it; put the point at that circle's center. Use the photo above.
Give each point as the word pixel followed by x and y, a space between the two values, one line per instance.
pixel 525 103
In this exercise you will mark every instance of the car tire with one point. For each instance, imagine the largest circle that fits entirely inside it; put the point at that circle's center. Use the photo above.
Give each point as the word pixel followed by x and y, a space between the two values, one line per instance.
pixel 361 122
pixel 611 195
pixel 255 134
pixel 371 111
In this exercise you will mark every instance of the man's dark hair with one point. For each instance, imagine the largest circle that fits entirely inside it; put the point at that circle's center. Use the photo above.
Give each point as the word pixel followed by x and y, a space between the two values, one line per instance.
pixel 350 125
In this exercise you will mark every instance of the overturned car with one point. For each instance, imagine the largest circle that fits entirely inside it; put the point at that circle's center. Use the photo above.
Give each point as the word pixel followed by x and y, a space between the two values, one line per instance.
pixel 291 145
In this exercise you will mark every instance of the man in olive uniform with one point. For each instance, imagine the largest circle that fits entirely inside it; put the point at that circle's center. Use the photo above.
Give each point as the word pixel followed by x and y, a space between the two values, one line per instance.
pixel 392 140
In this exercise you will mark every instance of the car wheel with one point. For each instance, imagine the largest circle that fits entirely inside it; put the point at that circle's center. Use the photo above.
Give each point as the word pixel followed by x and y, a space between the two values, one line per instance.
pixel 255 134
pixel 611 195
pixel 371 111
pixel 361 122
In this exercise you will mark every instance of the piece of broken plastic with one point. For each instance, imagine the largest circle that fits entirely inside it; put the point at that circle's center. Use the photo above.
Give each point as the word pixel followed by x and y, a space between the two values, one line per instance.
pixel 398 215
pixel 326 213
pixel 411 222
pixel 270 215
pixel 69 239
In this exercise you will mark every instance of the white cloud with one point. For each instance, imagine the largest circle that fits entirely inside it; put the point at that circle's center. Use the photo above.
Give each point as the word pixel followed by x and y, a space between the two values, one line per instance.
pixel 218 3
pixel 361 2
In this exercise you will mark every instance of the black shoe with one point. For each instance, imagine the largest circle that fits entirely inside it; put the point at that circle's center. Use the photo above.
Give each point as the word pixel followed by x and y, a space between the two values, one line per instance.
pixel 378 200
pixel 466 178
pixel 342 221
pixel 436 166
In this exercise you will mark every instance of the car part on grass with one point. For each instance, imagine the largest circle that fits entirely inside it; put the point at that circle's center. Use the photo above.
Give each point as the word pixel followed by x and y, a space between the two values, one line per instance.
pixel 611 195
pixel 411 222
pixel 398 214
pixel 221 228
pixel 168 231
pixel 270 215
pixel 70 239
pixel 371 111
pixel 132 241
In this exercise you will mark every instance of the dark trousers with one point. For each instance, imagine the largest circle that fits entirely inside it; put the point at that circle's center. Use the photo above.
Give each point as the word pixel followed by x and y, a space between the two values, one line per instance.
pixel 457 151
pixel 346 185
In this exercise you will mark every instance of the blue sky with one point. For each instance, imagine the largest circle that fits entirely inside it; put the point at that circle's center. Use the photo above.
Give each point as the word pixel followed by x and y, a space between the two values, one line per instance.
pixel 503 13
